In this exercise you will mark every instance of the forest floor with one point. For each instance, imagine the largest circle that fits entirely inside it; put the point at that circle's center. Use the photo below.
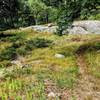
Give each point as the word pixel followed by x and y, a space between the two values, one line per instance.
pixel 43 66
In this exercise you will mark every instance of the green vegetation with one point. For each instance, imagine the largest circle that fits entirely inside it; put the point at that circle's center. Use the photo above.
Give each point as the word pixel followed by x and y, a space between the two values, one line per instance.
pixel 38 63
pixel 8 54
pixel 37 43
pixel 21 13
pixel 22 46
pixel 93 59
pixel 44 66
pixel 71 10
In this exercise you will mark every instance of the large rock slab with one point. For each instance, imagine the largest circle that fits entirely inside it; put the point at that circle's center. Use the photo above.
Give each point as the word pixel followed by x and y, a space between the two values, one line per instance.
pixel 43 28
pixel 78 27
pixel 77 30
pixel 89 25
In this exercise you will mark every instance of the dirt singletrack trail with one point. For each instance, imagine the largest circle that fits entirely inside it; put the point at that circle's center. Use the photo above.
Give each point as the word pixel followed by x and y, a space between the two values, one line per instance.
pixel 88 87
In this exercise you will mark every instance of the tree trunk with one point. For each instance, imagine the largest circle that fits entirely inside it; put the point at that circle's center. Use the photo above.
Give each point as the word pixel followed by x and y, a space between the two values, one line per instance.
pixel 11 22
pixel 34 20
pixel 47 17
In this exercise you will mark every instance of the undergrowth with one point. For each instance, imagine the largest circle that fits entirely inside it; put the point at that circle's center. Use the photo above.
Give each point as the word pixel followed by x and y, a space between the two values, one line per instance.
pixel 28 82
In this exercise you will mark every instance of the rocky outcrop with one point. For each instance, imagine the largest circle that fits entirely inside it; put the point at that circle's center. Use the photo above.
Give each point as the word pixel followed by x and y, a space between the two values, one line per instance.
pixel 76 30
pixel 86 27
pixel 42 28
pixel 78 27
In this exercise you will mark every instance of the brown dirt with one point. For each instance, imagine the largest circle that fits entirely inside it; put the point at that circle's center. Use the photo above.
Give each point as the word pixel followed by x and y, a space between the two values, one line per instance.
pixel 88 87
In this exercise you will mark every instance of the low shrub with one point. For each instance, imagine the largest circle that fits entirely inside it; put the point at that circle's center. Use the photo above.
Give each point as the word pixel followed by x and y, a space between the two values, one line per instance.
pixel 18 44
pixel 95 45
pixel 95 17
pixel 37 43
pixel 5 63
pixel 8 54
pixel 17 72
pixel 22 51
pixel 13 37
pixel 23 47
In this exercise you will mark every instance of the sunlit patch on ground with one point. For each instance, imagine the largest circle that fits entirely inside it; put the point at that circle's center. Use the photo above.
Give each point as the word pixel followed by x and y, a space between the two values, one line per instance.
pixel 40 74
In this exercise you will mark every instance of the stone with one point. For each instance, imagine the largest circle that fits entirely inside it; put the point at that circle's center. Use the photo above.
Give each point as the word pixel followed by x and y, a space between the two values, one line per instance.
pixel 77 30
pixel 51 95
pixel 16 62
pixel 52 29
pixel 91 26
pixel 50 24
pixel 59 56
pixel 39 28
pixel 42 28
pixel 78 27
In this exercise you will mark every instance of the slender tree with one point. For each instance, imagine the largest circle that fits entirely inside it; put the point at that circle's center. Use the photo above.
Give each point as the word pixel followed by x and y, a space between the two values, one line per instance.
pixel 36 7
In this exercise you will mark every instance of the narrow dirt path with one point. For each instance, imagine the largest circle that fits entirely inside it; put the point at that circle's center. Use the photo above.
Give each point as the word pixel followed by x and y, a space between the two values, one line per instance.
pixel 86 86
pixel 86 89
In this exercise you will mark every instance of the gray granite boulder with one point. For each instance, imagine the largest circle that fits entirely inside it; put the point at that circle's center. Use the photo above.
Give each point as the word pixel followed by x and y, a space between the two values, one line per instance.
pixel 59 56
pixel 77 30
pixel 78 27
pixel 89 25
pixel 43 28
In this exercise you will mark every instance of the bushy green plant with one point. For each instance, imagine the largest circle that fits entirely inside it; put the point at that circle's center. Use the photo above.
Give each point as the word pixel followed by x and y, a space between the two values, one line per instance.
pixel 29 45
pixel 41 42
pixel 17 72
pixel 71 10
pixel 37 43
pixel 6 36
pixel 95 17
pixel 15 37
pixel 97 45
pixel 8 54
pixel 22 51
pixel 17 44
pixel 94 45
pixel 23 47
pixel 20 36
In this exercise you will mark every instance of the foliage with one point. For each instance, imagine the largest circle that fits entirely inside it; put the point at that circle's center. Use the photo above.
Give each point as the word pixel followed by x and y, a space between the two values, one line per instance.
pixel 20 13
pixel 14 37
pixel 22 51
pixel 89 46
pixel 68 78
pixel 25 12
pixel 37 43
pixel 8 54
pixel 41 68
pixel 95 17
pixel 9 12
pixel 70 10
pixel 37 7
